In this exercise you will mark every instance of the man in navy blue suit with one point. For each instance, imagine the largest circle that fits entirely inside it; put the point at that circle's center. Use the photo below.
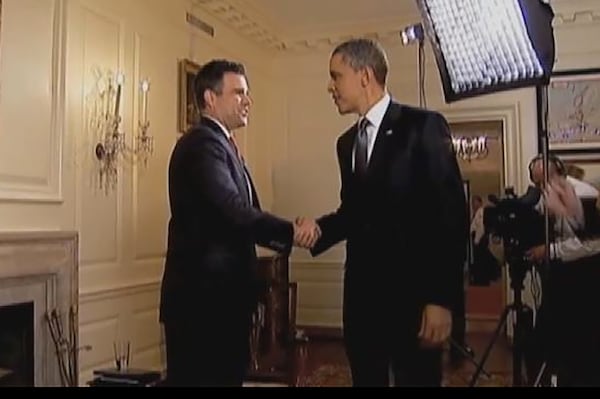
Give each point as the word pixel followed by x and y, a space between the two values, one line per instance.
pixel 208 288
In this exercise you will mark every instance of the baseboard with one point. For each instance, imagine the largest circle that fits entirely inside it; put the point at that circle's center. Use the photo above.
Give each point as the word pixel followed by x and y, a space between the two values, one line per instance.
pixel 481 323
pixel 320 332
pixel 475 323
pixel 252 384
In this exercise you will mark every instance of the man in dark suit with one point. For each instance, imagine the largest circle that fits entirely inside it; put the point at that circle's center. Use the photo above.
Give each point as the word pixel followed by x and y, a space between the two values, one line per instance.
pixel 403 216
pixel 208 288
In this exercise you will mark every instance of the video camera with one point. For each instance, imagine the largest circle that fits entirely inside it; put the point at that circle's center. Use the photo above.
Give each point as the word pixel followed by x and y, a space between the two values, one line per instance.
pixel 516 221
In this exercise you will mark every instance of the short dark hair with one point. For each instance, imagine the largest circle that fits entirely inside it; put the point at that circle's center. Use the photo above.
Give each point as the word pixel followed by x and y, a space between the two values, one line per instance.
pixel 553 162
pixel 362 53
pixel 210 77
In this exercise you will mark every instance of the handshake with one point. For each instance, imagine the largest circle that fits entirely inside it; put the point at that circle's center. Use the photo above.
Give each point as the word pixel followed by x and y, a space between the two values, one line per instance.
pixel 306 232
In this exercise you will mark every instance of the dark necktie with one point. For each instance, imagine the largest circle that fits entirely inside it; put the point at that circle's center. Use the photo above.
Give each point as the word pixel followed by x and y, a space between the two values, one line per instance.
pixel 236 148
pixel 360 155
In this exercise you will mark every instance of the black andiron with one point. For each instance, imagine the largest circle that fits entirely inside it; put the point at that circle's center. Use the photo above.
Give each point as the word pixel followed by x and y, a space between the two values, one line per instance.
pixel 65 344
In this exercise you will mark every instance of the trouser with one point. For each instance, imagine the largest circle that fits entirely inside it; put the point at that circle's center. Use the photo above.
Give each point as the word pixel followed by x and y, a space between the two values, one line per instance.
pixel 380 335
pixel 408 364
pixel 207 344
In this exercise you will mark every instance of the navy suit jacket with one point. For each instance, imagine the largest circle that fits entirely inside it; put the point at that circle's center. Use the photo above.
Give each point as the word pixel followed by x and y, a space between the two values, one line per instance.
pixel 407 222
pixel 214 226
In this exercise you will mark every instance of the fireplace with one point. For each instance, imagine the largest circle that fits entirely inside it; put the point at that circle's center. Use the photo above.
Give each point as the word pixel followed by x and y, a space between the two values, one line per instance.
pixel 16 345
pixel 38 275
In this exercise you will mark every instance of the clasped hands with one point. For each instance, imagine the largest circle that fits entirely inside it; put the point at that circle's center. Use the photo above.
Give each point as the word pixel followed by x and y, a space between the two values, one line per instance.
pixel 306 232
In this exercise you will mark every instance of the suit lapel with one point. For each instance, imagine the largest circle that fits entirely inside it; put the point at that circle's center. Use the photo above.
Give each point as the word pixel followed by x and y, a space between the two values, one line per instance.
pixel 238 168
pixel 347 152
pixel 255 201
pixel 384 136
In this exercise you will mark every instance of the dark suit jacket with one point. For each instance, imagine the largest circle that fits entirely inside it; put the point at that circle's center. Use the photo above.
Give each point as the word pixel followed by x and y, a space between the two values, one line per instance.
pixel 213 227
pixel 407 222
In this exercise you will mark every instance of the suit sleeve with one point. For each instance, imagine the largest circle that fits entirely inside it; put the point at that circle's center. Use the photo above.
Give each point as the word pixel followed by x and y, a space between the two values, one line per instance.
pixel 213 175
pixel 445 218
pixel 334 226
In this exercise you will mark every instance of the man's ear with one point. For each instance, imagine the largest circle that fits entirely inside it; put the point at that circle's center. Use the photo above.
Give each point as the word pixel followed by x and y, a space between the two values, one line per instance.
pixel 209 98
pixel 366 76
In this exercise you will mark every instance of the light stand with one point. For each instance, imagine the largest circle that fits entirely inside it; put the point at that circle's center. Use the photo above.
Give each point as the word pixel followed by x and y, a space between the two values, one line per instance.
pixel 523 314
pixel 409 35
pixel 483 47
pixel 524 319
pixel 544 145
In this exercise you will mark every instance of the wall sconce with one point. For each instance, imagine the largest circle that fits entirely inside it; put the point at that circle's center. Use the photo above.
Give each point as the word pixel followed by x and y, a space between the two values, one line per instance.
pixel 469 148
pixel 105 121
pixel 144 146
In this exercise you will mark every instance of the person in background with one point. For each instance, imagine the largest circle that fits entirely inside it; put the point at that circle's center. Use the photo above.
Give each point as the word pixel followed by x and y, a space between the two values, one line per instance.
pixel 575 171
pixel 567 334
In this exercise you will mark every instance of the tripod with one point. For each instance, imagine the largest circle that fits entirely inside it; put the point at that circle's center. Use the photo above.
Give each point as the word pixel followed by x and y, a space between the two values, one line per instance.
pixel 469 355
pixel 522 323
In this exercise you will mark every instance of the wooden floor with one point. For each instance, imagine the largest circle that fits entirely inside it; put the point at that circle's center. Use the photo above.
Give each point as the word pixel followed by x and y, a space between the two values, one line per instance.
pixel 326 364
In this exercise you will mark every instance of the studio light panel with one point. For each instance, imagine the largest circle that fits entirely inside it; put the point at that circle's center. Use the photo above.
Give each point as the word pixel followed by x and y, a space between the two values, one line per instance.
pixel 486 45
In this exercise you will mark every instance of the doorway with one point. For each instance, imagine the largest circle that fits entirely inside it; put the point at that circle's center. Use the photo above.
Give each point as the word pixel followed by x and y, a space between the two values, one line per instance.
pixel 480 153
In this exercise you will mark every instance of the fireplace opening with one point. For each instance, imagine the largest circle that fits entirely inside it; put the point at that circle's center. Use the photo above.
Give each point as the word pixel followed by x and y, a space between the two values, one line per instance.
pixel 16 345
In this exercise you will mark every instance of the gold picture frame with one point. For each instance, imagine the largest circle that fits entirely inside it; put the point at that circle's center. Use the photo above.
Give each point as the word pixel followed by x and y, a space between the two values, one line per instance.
pixel 189 113
pixel 573 112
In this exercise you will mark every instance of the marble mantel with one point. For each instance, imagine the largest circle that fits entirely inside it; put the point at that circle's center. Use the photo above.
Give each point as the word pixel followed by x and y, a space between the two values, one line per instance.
pixel 41 267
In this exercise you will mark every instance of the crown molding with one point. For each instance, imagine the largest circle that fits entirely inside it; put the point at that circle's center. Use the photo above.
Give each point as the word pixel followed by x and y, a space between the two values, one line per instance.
pixel 244 21
pixel 254 25
pixel 580 17
pixel 580 12
pixel 250 23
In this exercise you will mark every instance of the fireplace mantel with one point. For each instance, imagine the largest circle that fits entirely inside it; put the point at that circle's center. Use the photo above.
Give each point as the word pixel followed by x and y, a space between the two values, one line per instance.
pixel 41 267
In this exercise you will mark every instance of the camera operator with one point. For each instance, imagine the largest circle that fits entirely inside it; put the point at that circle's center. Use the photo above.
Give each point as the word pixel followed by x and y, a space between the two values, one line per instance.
pixel 567 332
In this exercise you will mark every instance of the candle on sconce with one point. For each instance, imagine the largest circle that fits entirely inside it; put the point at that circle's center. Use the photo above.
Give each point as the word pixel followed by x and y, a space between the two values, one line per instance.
pixel 145 87
pixel 120 79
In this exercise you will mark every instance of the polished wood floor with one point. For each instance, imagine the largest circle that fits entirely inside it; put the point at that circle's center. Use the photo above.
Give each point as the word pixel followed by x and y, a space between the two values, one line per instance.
pixel 326 363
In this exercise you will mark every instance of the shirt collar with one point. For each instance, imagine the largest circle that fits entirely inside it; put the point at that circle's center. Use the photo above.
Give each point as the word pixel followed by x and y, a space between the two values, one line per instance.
pixel 223 128
pixel 376 113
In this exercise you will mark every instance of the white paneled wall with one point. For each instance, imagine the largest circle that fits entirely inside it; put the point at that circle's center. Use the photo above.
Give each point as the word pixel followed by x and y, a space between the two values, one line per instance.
pixel 31 99
pixel 123 234
pixel 49 49
pixel 48 173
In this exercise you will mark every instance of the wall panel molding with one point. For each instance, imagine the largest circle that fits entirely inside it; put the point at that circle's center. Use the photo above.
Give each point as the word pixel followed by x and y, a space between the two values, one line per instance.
pixel 116 291
pixel 46 187
pixel 100 215
pixel 509 116
pixel 576 18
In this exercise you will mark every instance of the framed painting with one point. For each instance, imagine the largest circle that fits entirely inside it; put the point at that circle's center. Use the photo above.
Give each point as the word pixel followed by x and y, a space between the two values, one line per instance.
pixel 188 109
pixel 573 110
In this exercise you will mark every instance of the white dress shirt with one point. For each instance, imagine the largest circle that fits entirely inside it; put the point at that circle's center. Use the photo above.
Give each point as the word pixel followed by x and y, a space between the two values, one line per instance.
pixel 569 247
pixel 374 116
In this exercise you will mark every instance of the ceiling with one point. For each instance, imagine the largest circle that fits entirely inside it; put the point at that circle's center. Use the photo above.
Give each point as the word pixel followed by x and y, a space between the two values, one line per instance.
pixel 284 24
pixel 295 17
pixel 302 24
